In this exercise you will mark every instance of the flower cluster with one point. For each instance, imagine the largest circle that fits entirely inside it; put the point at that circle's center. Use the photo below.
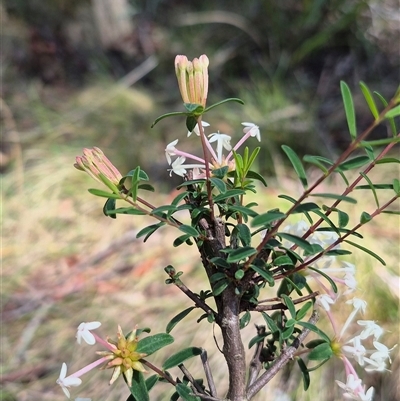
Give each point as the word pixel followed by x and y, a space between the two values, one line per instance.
pixel 120 355
pixel 343 273
pixel 218 159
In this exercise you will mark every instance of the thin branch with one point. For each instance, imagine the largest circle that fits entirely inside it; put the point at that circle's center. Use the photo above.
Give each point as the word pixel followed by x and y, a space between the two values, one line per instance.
pixel 255 363
pixel 280 306
pixel 281 361
pixel 196 385
pixel 199 303
pixel 207 371
pixel 158 371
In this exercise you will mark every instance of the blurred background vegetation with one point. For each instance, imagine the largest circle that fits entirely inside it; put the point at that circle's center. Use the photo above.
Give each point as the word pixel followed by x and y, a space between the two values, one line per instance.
pixel 83 73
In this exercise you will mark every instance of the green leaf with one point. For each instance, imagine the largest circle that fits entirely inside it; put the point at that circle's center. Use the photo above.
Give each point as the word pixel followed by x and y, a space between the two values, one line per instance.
pixel 296 163
pixel 220 262
pixel 191 123
pixel 315 329
pixel 189 230
pixel 219 287
pixel 370 100
pixel 218 183
pixel 267 218
pixel 396 186
pixel 393 112
pixel 349 109
pixel 181 240
pixel 151 382
pixel 374 255
pixel 181 356
pixel 355 162
pixel 255 176
pixel 372 187
pixel 134 183
pixel 267 276
pixel 149 230
pixel 244 234
pixel 175 113
pixel 300 242
pixel 245 320
pixel 323 274
pixel 337 197
pixel 256 340
pixel 244 210
pixel 217 276
pixel 176 319
pixel 126 210
pixel 241 254
pixel 239 274
pixel 108 207
pixel 365 218
pixel 162 209
pixel 185 393
pixel 139 388
pixel 315 161
pixel 321 352
pixel 386 160
pixel 150 344
pixel 194 109
pixel 104 194
pixel 305 374
pixel 234 99
pixel 303 310
pixel 305 207
pixel 228 194
pixel 270 323
pixel 343 218
pixel 391 120
pixel 290 305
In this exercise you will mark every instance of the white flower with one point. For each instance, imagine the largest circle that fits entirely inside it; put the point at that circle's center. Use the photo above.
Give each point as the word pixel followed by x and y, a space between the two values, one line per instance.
pixel 375 365
pixel 170 150
pixel 371 329
pixel 357 351
pixel 66 382
pixel 223 141
pixel 325 301
pixel 382 352
pixel 350 281
pixel 253 129
pixel 179 168
pixel 351 386
pixel 84 332
pixel 358 304
pixel 196 128
pixel 368 396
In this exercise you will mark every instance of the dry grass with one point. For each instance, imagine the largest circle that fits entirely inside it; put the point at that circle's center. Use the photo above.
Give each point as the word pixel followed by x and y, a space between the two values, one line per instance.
pixel 64 263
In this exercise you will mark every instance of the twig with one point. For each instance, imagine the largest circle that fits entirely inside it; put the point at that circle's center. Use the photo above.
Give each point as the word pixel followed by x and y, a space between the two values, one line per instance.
pixel 207 371
pixel 199 303
pixel 281 361
pixel 255 363
pixel 158 371
pixel 280 306
pixel 196 385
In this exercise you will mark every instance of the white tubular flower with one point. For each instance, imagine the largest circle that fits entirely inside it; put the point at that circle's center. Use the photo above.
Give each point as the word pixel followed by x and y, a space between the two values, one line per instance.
pixel 170 150
pixel 325 301
pixel 223 141
pixel 177 166
pixel 375 365
pixel 253 130
pixel 350 282
pixel 196 128
pixel 85 334
pixel 358 305
pixel 351 386
pixel 371 329
pixel 357 351
pixel 366 396
pixel 382 352
pixel 66 382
